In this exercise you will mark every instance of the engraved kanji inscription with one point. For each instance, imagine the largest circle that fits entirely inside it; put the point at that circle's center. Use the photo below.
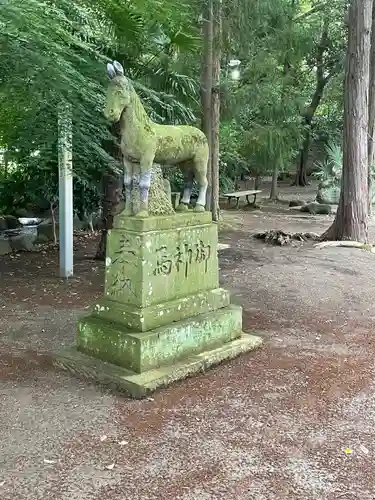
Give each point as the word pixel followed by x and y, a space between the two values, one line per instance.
pixel 182 258
pixel 125 252
pixel 203 254
pixel 164 262
pixel 123 256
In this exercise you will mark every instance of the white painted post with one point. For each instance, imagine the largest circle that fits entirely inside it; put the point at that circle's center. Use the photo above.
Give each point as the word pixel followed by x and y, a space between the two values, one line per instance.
pixel 65 190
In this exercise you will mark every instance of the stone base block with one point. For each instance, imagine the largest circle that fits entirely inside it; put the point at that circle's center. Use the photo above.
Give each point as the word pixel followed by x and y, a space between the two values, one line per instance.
pixel 154 316
pixel 140 385
pixel 142 351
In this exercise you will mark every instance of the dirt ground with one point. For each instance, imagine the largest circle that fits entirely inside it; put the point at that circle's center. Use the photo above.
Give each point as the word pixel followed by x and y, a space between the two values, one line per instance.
pixel 293 420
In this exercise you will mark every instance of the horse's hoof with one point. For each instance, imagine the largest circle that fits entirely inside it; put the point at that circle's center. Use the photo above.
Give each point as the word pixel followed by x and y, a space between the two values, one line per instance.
pixel 143 214
pixel 199 208
pixel 126 213
pixel 182 207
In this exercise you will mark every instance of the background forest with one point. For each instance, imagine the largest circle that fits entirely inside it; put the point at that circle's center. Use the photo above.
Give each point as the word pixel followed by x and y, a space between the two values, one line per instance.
pixel 277 69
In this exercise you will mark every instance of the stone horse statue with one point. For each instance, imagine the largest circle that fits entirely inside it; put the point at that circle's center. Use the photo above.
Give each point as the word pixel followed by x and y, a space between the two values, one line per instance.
pixel 144 142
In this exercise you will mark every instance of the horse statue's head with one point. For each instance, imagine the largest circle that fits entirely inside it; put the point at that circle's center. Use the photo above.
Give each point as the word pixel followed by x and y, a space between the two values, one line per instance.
pixel 118 93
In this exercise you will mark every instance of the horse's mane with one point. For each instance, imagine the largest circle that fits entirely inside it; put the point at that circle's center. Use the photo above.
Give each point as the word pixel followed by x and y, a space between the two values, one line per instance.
pixel 139 109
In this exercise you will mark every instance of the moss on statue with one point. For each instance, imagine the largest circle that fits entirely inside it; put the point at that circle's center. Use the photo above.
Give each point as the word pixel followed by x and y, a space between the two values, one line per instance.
pixel 144 142
pixel 163 315
pixel 159 199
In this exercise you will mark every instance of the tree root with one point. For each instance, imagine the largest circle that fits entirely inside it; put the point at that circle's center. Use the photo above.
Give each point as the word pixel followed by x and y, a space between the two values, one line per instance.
pixel 281 238
pixel 346 244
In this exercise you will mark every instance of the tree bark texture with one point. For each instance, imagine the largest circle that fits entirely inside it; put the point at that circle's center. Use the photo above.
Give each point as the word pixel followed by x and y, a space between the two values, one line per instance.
pixel 301 174
pixel 206 86
pixel 112 189
pixel 112 193
pixel 215 109
pixel 351 222
pixel 371 112
pixel 275 176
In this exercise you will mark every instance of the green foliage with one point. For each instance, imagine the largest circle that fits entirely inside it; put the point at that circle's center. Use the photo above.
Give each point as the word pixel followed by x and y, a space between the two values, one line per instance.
pixel 54 52
pixel 33 186
pixel 176 178
pixel 330 168
pixel 226 179
pixel 50 56
pixel 329 171
pixel 270 121
pixel 232 163
pixel 279 44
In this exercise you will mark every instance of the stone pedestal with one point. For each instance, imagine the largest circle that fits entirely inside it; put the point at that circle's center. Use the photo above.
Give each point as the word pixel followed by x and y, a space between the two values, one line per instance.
pixel 163 315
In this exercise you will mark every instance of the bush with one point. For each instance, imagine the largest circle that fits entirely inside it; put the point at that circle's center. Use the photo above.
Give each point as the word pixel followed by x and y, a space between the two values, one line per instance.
pixel 32 189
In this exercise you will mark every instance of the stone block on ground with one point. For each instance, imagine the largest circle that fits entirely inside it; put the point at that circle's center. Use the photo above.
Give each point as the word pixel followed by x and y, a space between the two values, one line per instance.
pixel 9 222
pixel 142 351
pixel 329 192
pixel 159 314
pixel 316 209
pixel 42 239
pixel 45 229
pixel 3 223
pixel 141 385
pixel 297 203
pixel 23 242
pixel 5 247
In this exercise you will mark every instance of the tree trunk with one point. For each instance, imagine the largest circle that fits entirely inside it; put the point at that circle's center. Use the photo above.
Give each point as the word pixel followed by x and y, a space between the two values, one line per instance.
pixel 275 175
pixel 301 174
pixel 215 109
pixel 351 222
pixel 53 217
pixel 309 113
pixel 206 87
pixel 371 118
pixel 112 190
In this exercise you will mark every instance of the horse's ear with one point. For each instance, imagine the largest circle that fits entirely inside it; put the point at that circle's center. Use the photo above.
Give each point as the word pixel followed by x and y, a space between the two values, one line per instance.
pixel 111 71
pixel 118 68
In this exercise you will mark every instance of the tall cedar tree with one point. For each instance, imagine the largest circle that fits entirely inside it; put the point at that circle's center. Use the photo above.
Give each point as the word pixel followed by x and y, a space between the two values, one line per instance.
pixel 351 222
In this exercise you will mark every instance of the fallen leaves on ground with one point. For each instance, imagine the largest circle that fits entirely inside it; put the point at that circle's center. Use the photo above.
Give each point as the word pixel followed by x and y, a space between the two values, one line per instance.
pixel 281 238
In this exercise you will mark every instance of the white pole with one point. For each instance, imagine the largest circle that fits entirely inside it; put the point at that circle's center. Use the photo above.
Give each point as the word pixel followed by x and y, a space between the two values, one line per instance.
pixel 65 190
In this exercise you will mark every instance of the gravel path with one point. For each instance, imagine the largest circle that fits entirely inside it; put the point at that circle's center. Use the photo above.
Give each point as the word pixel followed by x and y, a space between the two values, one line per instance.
pixel 293 420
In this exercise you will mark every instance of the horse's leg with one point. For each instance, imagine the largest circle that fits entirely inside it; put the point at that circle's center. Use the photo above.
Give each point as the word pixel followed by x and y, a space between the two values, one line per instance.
pixel 145 166
pixel 188 186
pixel 128 178
pixel 200 171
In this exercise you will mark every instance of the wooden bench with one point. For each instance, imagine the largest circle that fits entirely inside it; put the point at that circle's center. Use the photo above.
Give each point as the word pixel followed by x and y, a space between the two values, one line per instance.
pixel 242 194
